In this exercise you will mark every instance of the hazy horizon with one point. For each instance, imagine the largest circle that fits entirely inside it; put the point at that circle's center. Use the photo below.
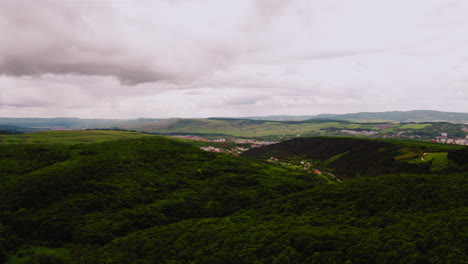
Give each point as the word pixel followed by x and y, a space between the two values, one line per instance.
pixel 205 58
pixel 203 117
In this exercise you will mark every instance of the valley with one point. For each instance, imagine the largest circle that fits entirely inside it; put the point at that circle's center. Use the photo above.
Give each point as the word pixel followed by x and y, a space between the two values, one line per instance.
pixel 441 127
pixel 233 132
pixel 87 196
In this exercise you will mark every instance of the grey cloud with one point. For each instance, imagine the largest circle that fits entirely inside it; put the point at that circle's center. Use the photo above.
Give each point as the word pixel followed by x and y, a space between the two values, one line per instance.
pixel 99 56
pixel 269 9
pixel 245 101
pixel 338 54
pixel 92 38
pixel 23 104
pixel 194 92
pixel 127 74
pixel 77 37
pixel 83 37
pixel 29 100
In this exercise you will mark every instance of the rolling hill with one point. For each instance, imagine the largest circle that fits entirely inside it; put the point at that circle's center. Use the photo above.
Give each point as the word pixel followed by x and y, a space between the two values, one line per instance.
pixel 280 130
pixel 397 125
pixel 395 116
pixel 94 193
pixel 351 157
pixel 153 199
pixel 404 116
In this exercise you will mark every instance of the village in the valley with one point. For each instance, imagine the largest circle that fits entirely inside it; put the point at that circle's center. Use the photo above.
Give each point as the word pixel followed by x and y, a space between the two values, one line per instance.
pixel 239 146
pixel 444 138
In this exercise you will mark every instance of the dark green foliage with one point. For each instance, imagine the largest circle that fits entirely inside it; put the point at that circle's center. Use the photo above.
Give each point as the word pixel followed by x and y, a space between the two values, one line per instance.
pixel 97 192
pixel 21 159
pixel 460 156
pixel 356 156
pixel 419 219
pixel 7 132
pixel 46 259
pixel 8 241
pixel 435 130
pixel 157 200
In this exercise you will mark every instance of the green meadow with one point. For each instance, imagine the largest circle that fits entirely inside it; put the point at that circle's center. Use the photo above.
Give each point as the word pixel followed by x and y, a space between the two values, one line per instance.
pixel 438 160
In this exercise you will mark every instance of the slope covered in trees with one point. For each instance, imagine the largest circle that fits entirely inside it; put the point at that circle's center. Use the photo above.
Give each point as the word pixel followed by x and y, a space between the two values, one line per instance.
pixel 157 200
pixel 92 194
pixel 418 219
pixel 350 157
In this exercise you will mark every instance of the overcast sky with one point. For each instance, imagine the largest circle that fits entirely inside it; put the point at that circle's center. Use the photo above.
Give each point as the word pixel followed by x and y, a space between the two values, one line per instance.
pixel 203 58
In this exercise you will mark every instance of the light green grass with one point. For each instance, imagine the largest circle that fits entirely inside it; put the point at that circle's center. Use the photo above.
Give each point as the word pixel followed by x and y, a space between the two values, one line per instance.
pixel 69 137
pixel 26 253
pixel 439 160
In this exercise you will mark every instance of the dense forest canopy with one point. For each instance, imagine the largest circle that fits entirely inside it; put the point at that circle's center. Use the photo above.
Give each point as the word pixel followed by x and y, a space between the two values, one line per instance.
pixel 158 200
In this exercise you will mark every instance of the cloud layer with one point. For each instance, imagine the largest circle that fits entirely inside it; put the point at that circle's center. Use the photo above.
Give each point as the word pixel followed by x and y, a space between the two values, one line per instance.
pixel 200 58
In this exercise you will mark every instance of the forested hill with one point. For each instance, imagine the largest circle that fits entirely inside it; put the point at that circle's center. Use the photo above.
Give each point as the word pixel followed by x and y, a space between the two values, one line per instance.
pixel 158 200
pixel 405 219
pixel 95 193
pixel 350 157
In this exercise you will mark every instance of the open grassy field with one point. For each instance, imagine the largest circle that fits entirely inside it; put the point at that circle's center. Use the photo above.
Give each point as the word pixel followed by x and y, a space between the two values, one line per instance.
pixel 439 160
pixel 69 137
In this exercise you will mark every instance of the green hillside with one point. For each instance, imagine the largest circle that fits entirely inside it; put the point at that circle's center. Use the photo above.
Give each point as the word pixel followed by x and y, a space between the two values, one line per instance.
pixel 279 130
pixel 92 194
pixel 244 127
pixel 159 200
pixel 69 137
pixel 241 127
pixel 388 219
pixel 351 157
pixel 248 128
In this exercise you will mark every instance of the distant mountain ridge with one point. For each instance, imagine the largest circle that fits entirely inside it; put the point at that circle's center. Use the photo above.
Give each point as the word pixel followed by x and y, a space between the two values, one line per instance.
pixel 397 116
pixel 405 116
pixel 385 124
